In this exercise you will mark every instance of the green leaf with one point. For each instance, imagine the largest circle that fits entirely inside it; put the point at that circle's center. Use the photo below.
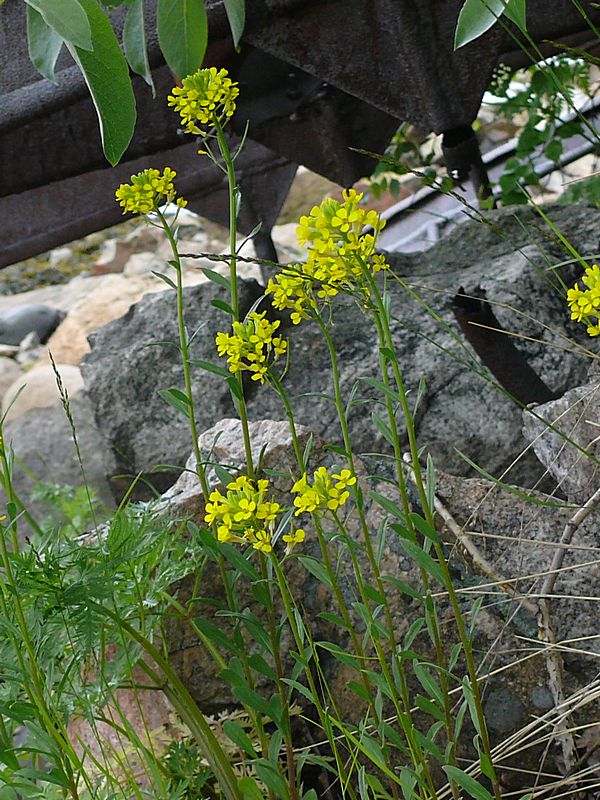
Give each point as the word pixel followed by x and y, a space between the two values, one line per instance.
pixel 222 306
pixel 70 19
pixel 166 279
pixel 44 44
pixel 383 428
pixel 516 11
pixel 272 778
pixel 216 277
pixel 475 18
pixel 239 737
pixel 210 367
pixel 177 399
pixel 315 568
pixel 424 560
pixel 236 14
pixel 107 75
pixel 182 34
pixel 134 42
pixel 214 634
pixel 467 783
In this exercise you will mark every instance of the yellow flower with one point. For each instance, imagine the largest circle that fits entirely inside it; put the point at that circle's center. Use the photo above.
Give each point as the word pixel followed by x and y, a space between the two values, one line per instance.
pixel 323 494
pixel 339 256
pixel 263 542
pixel 203 99
pixel 585 303
pixel 244 514
pixel 293 538
pixel 252 346
pixel 147 191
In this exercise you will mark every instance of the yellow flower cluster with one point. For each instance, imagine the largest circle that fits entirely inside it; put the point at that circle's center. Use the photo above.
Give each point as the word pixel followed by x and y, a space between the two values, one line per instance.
pixel 204 98
pixel 327 491
pixel 337 259
pixel 252 346
pixel 147 191
pixel 586 302
pixel 244 515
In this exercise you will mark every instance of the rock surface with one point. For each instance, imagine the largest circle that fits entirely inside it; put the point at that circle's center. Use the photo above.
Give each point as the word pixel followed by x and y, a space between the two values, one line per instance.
pixel 461 409
pixel 564 434
pixel 133 358
pixel 43 442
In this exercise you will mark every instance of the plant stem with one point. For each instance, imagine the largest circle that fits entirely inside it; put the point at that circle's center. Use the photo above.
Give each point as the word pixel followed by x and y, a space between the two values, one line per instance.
pixel 185 357
pixel 233 191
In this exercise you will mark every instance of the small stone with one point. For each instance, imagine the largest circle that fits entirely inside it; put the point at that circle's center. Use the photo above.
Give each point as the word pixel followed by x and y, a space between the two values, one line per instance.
pixel 16 323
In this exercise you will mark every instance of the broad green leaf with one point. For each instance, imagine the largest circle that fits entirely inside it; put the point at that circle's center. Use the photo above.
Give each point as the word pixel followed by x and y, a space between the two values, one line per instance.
pixel 70 19
pixel 107 75
pixel 236 14
pixel 44 44
pixel 134 42
pixel 467 783
pixel 182 34
pixel 475 18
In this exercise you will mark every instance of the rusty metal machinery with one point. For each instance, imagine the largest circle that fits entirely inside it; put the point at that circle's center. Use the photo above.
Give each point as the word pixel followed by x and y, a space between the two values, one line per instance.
pixel 318 77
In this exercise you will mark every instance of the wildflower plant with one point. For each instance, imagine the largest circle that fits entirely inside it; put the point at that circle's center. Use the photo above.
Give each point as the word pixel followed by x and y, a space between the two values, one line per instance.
pixel 262 635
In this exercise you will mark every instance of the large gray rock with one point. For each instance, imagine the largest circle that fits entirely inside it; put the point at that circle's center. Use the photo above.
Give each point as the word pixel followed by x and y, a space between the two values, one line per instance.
pixel 461 409
pixel 136 356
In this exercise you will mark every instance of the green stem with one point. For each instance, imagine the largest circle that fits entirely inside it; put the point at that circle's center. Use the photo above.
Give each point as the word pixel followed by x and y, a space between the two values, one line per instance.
pixel 233 280
pixel 429 516
pixel 185 357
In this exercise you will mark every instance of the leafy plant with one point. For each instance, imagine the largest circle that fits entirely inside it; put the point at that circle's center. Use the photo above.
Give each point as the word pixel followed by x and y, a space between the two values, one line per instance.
pixel 84 28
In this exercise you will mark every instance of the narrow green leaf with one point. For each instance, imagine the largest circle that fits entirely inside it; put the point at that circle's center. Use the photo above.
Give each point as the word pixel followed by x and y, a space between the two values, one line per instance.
pixel 467 783
pixel 210 367
pixel 215 634
pixel 424 560
pixel 239 737
pixel 236 14
pixel 177 399
pixel 166 279
pixel 70 19
pixel 222 306
pixel 315 568
pixel 272 778
pixel 475 18
pixel 134 42
pixel 216 277
pixel 107 75
pixel 182 34
pixel 382 427
pixel 44 44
